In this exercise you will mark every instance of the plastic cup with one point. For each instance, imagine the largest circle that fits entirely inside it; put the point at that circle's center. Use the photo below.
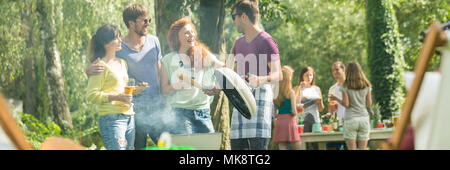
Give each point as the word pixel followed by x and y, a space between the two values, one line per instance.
pixel 299 108
pixel 332 102
pixel 380 125
pixel 325 128
pixel 129 89
pixel 300 129
pixel 395 120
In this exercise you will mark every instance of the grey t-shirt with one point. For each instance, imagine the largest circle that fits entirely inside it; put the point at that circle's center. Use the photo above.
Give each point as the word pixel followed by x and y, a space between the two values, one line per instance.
pixel 142 66
pixel 357 102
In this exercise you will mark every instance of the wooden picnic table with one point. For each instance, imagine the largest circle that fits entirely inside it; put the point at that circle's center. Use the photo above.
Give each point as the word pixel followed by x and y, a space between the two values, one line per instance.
pixel 323 137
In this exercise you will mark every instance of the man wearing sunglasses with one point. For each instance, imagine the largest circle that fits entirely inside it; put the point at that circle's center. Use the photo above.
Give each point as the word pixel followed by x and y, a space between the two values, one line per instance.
pixel 256 55
pixel 142 52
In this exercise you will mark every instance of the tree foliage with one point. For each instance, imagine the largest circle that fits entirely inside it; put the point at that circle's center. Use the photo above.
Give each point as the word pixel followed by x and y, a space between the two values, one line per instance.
pixel 318 33
pixel 385 56
pixel 414 17
pixel 75 22
pixel 308 32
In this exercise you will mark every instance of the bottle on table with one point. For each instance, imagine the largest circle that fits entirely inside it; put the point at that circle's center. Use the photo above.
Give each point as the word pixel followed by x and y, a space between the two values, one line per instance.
pixel 335 122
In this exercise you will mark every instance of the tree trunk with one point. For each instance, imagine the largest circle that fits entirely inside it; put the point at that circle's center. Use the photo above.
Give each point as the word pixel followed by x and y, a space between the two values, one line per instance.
pixel 29 62
pixel 55 82
pixel 384 55
pixel 212 19
pixel 29 77
pixel 167 12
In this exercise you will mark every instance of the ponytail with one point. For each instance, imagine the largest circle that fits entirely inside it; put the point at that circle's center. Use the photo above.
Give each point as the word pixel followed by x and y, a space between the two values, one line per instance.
pixel 96 50
pixel 103 35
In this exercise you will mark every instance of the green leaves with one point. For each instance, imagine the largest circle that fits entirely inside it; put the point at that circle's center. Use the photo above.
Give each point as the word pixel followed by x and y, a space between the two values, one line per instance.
pixel 320 33
pixel 308 32
pixel 75 22
pixel 11 45
pixel 385 56
pixel 414 17
pixel 37 131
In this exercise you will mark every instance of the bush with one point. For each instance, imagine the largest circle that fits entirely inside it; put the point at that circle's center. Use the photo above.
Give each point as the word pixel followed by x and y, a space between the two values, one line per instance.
pixel 85 131
pixel 36 131
pixel 385 57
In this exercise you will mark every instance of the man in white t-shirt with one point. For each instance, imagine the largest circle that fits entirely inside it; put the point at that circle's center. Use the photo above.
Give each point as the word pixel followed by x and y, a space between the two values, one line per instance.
pixel 338 70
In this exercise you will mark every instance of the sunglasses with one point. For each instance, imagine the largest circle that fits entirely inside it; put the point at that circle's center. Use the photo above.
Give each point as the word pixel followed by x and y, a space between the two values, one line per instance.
pixel 234 16
pixel 145 20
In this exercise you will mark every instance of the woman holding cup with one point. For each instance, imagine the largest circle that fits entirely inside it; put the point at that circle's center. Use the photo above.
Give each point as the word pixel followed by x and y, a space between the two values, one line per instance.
pixel 356 97
pixel 311 98
pixel 107 90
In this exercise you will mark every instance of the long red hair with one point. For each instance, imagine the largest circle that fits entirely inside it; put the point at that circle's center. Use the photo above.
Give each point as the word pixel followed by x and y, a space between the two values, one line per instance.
pixel 172 34
pixel 199 50
pixel 199 54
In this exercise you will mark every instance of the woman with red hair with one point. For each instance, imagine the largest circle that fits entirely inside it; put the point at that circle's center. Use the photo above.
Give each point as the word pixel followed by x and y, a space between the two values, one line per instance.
pixel 193 59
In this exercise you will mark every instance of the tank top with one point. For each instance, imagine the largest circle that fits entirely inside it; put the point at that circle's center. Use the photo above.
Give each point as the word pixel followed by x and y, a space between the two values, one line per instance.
pixel 285 107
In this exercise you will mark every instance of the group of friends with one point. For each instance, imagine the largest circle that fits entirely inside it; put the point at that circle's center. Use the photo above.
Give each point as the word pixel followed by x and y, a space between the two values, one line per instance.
pixel 126 120
pixel 352 96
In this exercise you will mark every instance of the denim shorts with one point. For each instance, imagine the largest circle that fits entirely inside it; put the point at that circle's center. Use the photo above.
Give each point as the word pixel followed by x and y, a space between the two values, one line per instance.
pixel 192 121
pixel 117 131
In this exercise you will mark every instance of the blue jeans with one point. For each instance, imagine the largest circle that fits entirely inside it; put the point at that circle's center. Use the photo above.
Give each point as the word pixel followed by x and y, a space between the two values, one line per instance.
pixel 250 144
pixel 117 131
pixel 192 121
